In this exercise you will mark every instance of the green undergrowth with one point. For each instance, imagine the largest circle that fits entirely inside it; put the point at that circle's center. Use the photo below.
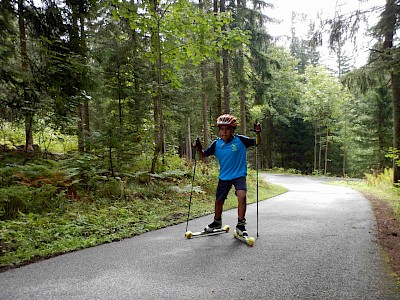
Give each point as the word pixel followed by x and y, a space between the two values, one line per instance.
pixel 83 207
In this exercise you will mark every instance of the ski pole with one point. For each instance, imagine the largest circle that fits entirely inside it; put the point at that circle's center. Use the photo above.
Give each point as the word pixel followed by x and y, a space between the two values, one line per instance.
pixel 256 171
pixel 191 191
pixel 257 185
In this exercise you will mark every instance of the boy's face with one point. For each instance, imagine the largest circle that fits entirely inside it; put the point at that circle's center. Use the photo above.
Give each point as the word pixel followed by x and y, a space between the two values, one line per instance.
pixel 225 132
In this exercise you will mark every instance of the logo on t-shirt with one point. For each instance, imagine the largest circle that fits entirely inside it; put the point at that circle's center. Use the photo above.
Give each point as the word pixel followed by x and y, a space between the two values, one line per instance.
pixel 234 148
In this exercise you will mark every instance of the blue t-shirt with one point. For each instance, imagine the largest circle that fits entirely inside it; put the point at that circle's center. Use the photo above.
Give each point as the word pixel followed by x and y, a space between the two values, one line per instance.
pixel 231 155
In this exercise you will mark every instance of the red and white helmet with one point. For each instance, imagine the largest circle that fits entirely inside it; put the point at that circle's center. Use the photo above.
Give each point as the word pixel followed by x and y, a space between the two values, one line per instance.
pixel 227 119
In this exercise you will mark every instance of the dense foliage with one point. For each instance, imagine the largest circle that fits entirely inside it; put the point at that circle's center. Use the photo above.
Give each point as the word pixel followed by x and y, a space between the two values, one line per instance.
pixel 139 79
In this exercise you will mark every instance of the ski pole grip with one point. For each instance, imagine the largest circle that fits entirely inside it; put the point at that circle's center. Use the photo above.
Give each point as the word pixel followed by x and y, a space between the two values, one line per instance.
pixel 256 127
pixel 198 145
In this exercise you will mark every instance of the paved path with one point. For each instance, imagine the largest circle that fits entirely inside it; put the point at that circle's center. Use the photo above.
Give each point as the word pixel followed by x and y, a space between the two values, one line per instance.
pixel 316 242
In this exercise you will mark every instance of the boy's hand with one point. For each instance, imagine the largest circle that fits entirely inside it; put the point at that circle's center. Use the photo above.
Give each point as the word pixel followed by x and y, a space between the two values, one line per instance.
pixel 197 144
pixel 257 127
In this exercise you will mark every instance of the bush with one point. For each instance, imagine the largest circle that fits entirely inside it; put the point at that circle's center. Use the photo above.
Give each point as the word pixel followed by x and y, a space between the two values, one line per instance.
pixel 7 176
pixel 18 199
pixel 32 188
pixel 380 179
pixel 109 188
pixel 13 200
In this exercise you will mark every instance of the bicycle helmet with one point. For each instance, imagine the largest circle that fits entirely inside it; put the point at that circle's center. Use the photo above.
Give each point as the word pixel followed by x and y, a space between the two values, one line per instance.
pixel 227 119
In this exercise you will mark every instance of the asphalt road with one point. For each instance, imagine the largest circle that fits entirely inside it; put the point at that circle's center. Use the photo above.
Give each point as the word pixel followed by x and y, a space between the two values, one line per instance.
pixel 317 241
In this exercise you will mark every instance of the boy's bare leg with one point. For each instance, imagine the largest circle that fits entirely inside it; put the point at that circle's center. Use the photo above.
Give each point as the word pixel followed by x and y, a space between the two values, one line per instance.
pixel 219 205
pixel 241 195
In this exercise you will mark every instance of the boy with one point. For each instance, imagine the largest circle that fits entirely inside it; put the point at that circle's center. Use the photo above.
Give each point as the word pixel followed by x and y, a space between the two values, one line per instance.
pixel 230 150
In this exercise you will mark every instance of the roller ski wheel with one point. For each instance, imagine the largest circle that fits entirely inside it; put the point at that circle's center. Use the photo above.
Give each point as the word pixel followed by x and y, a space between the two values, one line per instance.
pixel 190 234
pixel 249 240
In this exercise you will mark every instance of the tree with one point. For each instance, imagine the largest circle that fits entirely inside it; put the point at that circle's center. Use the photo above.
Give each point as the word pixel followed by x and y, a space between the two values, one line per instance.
pixel 203 70
pixel 250 62
pixel 8 68
pixel 79 11
pixel 218 86
pixel 305 50
pixel 284 136
pixel 387 28
pixel 27 95
pixel 239 64
pixel 179 32
pixel 122 93
pixel 321 104
pixel 225 68
pixel 384 58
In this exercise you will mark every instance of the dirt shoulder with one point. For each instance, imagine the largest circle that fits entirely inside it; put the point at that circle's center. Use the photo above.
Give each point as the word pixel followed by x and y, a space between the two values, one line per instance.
pixel 388 231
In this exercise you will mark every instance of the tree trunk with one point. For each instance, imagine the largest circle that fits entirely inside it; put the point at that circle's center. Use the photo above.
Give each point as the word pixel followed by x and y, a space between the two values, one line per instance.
pixel 315 148
pixel 240 71
pixel 243 123
pixel 76 45
pixel 218 92
pixel 81 139
pixel 157 98
pixel 242 93
pixel 396 122
pixel 188 142
pixel 326 151
pixel 120 118
pixel 344 161
pixel 85 105
pixel 204 103
pixel 24 64
pixel 120 113
pixel 225 69
pixel 110 157
pixel 203 92
pixel 268 142
pixel 389 18
pixel 28 132
pixel 86 124
pixel 225 74
pixel 320 150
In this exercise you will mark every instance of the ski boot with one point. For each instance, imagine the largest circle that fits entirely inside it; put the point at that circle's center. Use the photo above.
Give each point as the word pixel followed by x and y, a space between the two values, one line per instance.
pixel 217 224
pixel 241 234
pixel 241 229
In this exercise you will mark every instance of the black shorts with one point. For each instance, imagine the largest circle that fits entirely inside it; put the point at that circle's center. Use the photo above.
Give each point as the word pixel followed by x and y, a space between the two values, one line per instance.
pixel 224 186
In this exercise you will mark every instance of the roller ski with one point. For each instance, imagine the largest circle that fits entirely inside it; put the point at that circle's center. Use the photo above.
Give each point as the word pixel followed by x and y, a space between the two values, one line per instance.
pixel 241 234
pixel 212 229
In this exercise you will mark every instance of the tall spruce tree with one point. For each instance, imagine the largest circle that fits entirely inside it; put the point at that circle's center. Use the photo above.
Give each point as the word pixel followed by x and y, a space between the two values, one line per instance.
pixel 387 28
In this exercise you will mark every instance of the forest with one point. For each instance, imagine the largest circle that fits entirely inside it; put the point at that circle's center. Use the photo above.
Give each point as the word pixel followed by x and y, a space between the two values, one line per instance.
pixel 101 100
pixel 142 79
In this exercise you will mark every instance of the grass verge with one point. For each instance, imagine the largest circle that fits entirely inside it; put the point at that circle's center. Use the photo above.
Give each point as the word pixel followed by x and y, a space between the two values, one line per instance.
pixel 145 207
